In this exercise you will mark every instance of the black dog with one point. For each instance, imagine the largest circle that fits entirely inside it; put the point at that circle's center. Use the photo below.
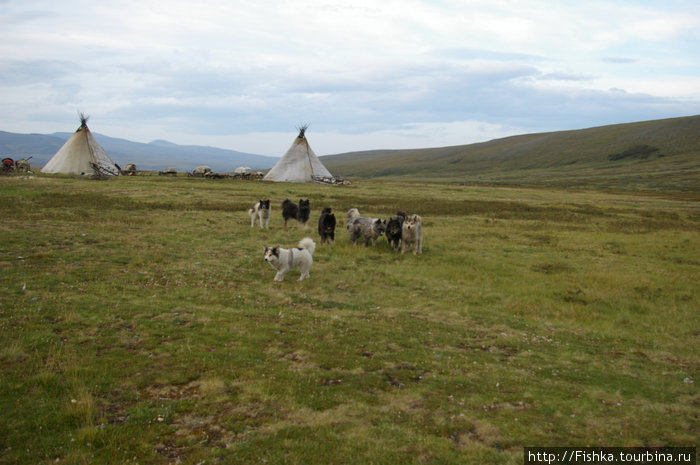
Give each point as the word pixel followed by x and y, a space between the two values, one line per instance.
pixel 393 229
pixel 326 226
pixel 292 211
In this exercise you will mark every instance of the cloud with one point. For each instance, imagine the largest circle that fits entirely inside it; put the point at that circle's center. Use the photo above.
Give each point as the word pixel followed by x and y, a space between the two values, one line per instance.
pixel 361 72
pixel 619 60
pixel 564 76
pixel 24 72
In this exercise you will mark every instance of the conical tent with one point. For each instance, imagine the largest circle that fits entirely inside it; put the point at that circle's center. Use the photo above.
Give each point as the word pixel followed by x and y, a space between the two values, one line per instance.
pixel 299 164
pixel 81 154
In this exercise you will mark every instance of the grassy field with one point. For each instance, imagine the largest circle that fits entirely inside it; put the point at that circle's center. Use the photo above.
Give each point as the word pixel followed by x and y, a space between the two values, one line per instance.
pixel 658 155
pixel 140 324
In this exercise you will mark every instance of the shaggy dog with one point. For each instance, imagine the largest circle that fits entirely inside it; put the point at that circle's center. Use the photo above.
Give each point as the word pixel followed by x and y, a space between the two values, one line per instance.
pixel 292 211
pixel 350 216
pixel 326 226
pixel 368 228
pixel 393 229
pixel 412 235
pixel 261 212
pixel 284 260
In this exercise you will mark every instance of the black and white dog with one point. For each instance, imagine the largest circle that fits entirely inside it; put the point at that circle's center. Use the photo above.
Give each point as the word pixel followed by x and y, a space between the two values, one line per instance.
pixel 260 212
pixel 284 260
pixel 326 226
pixel 292 211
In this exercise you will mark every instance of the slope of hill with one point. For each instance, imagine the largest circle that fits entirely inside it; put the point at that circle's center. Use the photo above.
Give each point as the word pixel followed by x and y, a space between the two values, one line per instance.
pixel 156 155
pixel 39 146
pixel 660 154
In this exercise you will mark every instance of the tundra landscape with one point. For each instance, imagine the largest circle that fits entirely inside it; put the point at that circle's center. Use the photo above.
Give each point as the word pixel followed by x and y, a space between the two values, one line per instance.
pixel 139 323
pixel 349 232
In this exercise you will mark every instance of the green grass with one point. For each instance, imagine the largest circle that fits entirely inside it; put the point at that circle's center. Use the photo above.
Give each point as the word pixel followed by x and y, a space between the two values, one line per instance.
pixel 140 324
pixel 644 156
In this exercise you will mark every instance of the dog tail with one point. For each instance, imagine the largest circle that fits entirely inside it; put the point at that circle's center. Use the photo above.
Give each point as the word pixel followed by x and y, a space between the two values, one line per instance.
pixel 308 244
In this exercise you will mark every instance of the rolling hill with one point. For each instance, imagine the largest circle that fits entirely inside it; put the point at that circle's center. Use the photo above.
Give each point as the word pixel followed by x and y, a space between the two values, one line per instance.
pixel 649 155
pixel 659 154
pixel 156 155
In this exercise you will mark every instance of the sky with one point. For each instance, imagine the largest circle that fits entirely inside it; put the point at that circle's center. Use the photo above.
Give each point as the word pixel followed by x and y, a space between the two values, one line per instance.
pixel 364 74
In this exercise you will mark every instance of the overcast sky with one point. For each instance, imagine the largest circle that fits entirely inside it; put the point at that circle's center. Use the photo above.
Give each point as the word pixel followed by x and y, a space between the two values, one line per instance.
pixel 366 74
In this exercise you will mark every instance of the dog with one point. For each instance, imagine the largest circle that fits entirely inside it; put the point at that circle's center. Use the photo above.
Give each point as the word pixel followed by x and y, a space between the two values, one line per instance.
pixel 261 212
pixel 394 228
pixel 304 212
pixel 326 226
pixel 368 228
pixel 292 211
pixel 284 260
pixel 412 235
pixel 350 216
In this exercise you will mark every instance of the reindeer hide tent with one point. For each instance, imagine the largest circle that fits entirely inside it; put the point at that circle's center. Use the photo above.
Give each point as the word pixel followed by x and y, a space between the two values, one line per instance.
pixel 81 154
pixel 299 164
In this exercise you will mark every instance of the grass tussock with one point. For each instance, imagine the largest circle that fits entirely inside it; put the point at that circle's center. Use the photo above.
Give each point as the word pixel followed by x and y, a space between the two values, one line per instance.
pixel 138 321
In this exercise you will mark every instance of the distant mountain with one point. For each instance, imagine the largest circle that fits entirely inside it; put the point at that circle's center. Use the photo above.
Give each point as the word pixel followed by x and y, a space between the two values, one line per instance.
pixel 162 143
pixel 40 147
pixel 658 155
pixel 157 155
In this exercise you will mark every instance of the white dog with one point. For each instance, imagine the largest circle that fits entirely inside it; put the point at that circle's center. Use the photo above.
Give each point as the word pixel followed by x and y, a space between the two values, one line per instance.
pixel 412 235
pixel 284 260
pixel 260 212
